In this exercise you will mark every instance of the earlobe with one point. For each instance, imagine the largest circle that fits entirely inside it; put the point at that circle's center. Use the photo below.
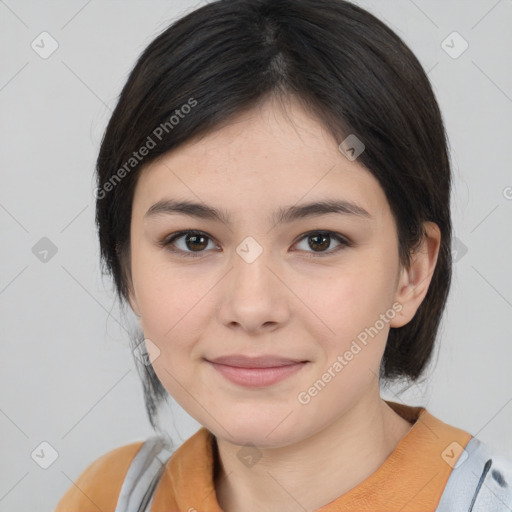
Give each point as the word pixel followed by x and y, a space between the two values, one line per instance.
pixel 414 281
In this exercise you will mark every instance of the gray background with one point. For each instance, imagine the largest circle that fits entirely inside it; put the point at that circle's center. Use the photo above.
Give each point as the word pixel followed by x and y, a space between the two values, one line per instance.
pixel 67 375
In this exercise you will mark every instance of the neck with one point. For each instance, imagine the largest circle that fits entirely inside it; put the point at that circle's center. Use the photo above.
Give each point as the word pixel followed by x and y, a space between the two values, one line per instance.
pixel 317 470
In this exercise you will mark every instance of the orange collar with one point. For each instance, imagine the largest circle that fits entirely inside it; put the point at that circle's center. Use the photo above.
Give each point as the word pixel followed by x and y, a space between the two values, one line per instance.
pixel 411 479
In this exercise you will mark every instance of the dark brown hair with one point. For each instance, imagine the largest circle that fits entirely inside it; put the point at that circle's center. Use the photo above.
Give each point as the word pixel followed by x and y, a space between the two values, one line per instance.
pixel 347 67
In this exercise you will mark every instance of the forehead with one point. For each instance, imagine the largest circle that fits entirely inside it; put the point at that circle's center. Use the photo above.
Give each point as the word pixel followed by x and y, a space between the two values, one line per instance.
pixel 261 158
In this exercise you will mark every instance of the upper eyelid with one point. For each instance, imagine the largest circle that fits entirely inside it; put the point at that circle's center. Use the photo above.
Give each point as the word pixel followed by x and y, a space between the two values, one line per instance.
pixel 179 234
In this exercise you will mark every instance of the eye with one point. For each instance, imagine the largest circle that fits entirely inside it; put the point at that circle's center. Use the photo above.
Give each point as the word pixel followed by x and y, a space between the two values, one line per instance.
pixel 196 242
pixel 321 240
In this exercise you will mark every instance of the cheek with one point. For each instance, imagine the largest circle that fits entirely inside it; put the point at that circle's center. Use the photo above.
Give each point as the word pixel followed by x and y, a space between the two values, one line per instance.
pixel 174 305
pixel 352 299
pixel 167 307
pixel 161 294
pixel 350 305
pixel 172 318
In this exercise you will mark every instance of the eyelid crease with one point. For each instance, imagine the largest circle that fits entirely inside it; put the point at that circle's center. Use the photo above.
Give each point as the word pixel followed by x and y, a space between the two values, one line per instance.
pixel 167 241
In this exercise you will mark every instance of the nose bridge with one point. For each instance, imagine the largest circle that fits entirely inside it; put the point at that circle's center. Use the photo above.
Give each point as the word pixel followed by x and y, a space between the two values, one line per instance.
pixel 253 295
pixel 251 264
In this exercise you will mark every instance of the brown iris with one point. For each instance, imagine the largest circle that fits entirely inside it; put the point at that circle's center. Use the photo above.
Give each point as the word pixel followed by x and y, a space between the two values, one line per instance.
pixel 321 240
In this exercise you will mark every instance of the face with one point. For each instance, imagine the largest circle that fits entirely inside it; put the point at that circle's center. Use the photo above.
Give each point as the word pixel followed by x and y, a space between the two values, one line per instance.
pixel 320 287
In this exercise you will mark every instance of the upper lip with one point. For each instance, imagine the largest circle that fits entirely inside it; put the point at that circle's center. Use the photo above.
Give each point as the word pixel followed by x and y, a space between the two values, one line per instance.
pixel 267 361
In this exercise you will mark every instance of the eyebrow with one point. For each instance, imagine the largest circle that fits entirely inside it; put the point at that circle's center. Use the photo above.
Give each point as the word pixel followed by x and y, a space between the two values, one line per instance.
pixel 282 215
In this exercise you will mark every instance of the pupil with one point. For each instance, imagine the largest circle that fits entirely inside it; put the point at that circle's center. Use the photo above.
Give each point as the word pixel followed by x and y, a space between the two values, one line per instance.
pixel 193 239
pixel 198 241
pixel 325 243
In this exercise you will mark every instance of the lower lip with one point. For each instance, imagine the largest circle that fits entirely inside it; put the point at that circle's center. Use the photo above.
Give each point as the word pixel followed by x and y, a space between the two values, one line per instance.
pixel 257 377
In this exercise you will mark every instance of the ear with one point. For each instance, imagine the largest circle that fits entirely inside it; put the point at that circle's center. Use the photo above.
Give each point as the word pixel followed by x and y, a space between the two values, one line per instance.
pixel 414 281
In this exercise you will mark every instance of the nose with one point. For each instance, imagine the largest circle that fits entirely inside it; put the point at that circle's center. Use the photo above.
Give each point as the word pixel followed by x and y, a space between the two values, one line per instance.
pixel 253 296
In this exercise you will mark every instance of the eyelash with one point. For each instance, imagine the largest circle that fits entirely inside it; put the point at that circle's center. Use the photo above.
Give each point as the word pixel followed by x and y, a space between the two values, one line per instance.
pixel 166 243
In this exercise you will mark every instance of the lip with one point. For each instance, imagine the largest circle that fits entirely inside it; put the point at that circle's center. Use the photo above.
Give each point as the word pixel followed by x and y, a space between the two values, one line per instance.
pixel 256 371
pixel 266 361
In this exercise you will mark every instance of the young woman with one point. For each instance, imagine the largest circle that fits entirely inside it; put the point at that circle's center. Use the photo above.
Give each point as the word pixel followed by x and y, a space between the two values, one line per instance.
pixel 274 204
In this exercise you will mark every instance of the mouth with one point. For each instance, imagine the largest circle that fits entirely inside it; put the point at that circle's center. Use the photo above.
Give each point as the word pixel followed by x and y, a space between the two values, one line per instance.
pixel 265 361
pixel 256 371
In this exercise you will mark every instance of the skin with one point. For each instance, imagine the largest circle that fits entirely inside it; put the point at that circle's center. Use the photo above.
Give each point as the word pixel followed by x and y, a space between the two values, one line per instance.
pixel 283 303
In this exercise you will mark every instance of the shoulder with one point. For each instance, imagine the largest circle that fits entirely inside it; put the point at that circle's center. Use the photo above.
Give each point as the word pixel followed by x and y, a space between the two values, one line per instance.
pixel 99 485
pixel 480 481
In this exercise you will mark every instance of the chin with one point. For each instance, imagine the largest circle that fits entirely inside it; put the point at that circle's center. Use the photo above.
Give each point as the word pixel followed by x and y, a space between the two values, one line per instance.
pixel 260 432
